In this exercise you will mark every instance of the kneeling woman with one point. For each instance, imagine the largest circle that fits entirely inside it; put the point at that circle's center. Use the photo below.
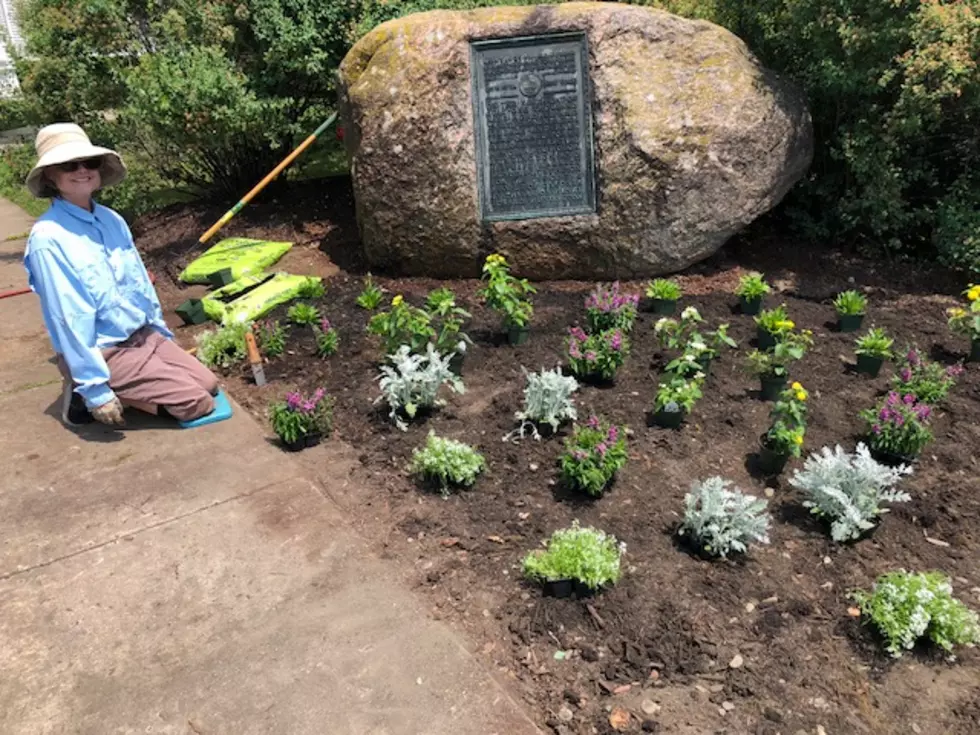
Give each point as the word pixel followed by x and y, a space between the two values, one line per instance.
pixel 100 308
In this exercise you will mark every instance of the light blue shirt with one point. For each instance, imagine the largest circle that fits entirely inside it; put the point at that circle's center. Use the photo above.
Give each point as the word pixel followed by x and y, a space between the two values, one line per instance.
pixel 94 289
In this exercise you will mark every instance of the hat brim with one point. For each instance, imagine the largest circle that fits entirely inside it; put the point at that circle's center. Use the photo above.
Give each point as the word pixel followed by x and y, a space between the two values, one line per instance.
pixel 113 170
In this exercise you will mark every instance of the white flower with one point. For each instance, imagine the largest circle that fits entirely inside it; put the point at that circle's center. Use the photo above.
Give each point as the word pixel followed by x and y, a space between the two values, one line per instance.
pixel 691 314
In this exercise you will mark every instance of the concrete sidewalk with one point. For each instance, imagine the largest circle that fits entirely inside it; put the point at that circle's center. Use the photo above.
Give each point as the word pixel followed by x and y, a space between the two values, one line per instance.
pixel 164 581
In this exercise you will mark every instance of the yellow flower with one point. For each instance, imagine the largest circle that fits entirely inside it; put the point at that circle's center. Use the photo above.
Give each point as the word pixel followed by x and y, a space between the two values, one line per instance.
pixel 798 439
pixel 956 312
pixel 785 324
pixel 797 386
pixel 496 258
pixel 397 301
pixel 801 395
pixel 973 292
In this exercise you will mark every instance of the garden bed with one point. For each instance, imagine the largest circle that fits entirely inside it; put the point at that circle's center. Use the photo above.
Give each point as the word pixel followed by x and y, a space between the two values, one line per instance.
pixel 757 644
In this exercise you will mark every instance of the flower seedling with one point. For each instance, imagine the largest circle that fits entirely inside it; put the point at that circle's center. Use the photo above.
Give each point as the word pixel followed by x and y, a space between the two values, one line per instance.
pixel 751 289
pixel 906 606
pixel 848 490
pixel 928 381
pixel 775 362
pixel 773 325
pixel 547 400
pixel 675 333
pixel 299 421
pixel 720 521
pixel 448 319
pixel 303 314
pixel 404 324
pixel 222 347
pixel 872 349
pixel 370 298
pixel 447 462
pixel 412 382
pixel 851 303
pixel 663 289
pixel 312 288
pixel 506 294
pixel 593 455
pixel 597 356
pixel 326 337
pixel 587 556
pixel 966 322
pixel 677 395
pixel 787 428
pixel 899 427
pixel 607 308
pixel 271 336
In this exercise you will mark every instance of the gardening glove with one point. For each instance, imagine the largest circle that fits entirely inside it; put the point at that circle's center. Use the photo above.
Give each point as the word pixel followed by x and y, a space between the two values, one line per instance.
pixel 110 414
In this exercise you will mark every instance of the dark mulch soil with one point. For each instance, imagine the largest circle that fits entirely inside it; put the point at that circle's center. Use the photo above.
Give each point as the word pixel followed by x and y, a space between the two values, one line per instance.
pixel 670 629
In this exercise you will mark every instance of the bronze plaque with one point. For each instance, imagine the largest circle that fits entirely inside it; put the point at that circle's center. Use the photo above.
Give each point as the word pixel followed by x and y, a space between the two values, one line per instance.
pixel 532 109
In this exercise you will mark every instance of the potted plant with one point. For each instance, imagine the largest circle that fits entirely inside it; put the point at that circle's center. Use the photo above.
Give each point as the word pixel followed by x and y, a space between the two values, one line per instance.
pixel 303 314
pixel 851 307
pixel 663 294
pixel 966 322
pixel 403 324
pixel 787 427
pixel 752 288
pixel 607 308
pixel 594 453
pixel 506 294
pixel 370 298
pixel 577 559
pixel 326 338
pixel 675 398
pixel 718 521
pixel 928 381
pixel 300 422
pixel 675 333
pixel 548 402
pixel 446 463
pixel 412 382
pixel 771 325
pixel 772 366
pixel 597 356
pixel 898 429
pixel 872 350
pixel 448 319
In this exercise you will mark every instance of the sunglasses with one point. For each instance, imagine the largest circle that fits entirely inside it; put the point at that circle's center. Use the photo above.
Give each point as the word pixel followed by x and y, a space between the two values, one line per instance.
pixel 91 164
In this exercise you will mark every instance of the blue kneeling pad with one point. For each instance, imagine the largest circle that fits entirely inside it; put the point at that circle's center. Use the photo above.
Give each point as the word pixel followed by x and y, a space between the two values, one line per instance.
pixel 222 411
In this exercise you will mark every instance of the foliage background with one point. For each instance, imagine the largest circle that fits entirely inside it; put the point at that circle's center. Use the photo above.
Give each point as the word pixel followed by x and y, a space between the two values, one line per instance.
pixel 214 93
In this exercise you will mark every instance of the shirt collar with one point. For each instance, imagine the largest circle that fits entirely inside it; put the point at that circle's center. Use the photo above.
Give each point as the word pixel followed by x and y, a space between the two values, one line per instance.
pixel 75 211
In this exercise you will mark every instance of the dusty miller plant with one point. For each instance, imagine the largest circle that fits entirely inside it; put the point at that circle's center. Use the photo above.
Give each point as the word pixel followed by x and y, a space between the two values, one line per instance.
pixel 547 400
pixel 412 382
pixel 848 489
pixel 720 520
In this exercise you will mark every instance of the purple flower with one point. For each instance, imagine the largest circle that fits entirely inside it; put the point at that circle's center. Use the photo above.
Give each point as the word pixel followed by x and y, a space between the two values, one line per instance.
pixel 593 422
pixel 579 334
pixel 325 325
pixel 574 351
pixel 601 449
pixel 899 419
pixel 294 401
pixel 954 371
pixel 906 374
pixel 876 428
pixel 617 341
pixel 613 434
pixel 913 358
pixel 580 455
pixel 923 412
pixel 909 399
pixel 318 396
pixel 884 414
pixel 893 399
pixel 590 356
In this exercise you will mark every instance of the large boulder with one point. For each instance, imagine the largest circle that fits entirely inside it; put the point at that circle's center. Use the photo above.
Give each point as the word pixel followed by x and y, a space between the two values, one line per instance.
pixel 693 140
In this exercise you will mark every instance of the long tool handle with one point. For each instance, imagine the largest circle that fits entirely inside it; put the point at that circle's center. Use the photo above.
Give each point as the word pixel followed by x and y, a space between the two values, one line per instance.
pixel 269 177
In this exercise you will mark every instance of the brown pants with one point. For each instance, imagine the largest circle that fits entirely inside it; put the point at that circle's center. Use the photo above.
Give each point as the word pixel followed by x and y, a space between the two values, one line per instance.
pixel 149 371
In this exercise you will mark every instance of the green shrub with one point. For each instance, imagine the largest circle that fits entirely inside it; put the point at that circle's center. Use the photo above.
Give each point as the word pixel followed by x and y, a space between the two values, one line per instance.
pixel 447 462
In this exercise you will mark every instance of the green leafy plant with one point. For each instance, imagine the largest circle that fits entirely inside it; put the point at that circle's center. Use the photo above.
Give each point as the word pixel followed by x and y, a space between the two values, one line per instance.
pixel 506 294
pixel 303 314
pixel 906 606
pixel 448 318
pixel 297 418
pixel 663 289
pixel 587 555
pixel 597 356
pixel 271 337
pixel 678 394
pixel 899 425
pixel 547 400
pixel 312 288
pixel 607 308
pixel 928 381
pixel 775 362
pixel 224 346
pixel 447 462
pixel 966 322
pixel 675 333
pixel 327 339
pixel 876 343
pixel 850 303
pixel 848 490
pixel 722 521
pixel 788 422
pixel 412 382
pixel 775 321
pixel 404 324
pixel 752 286
pixel 593 455
pixel 370 298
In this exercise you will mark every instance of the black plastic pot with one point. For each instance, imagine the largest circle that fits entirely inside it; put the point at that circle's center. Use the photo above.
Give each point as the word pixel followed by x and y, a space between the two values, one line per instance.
pixel 892 459
pixel 705 363
pixel 849 322
pixel 192 312
pixel 772 386
pixel 221 278
pixel 765 338
pixel 750 306
pixel 582 589
pixel 307 440
pixel 869 365
pixel 668 419
pixel 663 307
pixel 770 462
pixel 975 350
pixel 456 362
pixel 518 335
pixel 559 588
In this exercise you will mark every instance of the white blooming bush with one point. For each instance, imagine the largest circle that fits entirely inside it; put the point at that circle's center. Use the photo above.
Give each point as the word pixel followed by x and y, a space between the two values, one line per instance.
pixel 448 462
pixel 848 489
pixel 412 382
pixel 906 606
pixel 547 400
pixel 721 521
pixel 586 555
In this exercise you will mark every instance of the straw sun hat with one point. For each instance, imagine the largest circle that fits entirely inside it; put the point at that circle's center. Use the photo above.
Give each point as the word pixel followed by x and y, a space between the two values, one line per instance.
pixel 63 142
